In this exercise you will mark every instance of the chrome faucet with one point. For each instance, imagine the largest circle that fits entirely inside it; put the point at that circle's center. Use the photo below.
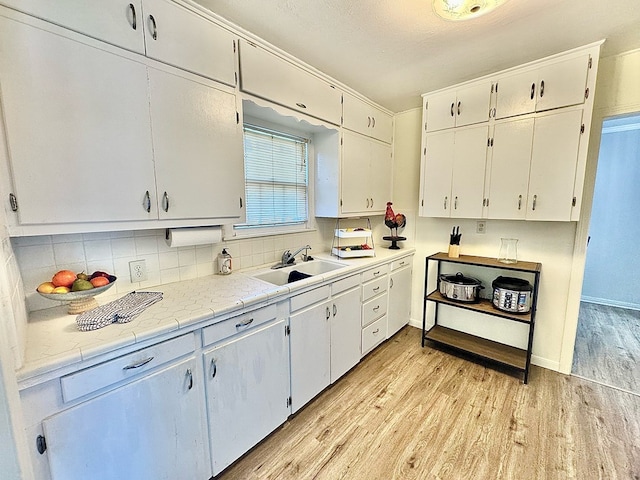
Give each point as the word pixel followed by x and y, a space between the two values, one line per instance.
pixel 289 258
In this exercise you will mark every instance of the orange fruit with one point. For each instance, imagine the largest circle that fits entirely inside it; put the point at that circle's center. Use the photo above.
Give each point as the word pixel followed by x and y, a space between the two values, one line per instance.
pixel 99 281
pixel 64 278
pixel 46 287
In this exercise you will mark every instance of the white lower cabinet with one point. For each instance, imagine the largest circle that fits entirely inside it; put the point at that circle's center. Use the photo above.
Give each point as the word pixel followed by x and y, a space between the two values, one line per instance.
pixel 345 328
pixel 375 300
pixel 247 386
pixel 152 428
pixel 310 342
pixel 399 309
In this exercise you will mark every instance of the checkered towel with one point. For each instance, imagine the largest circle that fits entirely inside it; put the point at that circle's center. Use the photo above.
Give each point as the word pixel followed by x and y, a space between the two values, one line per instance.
pixel 122 310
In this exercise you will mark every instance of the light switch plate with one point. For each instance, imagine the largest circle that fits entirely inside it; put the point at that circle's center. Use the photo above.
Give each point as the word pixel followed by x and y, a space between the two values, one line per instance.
pixel 138 270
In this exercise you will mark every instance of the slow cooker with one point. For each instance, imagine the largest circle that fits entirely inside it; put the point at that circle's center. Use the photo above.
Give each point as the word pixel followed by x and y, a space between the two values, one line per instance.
pixel 512 294
pixel 460 288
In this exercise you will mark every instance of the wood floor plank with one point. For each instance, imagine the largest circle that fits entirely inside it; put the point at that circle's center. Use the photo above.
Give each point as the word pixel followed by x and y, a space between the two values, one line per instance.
pixel 412 413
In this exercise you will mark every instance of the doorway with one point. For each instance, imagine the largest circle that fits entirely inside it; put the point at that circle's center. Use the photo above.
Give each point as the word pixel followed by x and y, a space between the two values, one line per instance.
pixel 607 347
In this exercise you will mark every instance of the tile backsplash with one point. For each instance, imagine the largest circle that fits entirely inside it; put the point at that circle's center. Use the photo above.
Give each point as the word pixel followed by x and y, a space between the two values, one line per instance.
pixel 40 257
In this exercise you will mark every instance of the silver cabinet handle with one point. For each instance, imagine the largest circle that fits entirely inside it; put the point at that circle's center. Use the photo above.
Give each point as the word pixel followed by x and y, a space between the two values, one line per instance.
pixel 245 323
pixel 375 274
pixel 372 203
pixel 376 289
pixel 541 88
pixel 535 200
pixel 138 364
pixel 519 202
pixel 189 375
pixel 165 202
pixel 376 308
pixel 134 22
pixel 391 280
pixel 459 108
pixel 301 105
pixel 445 202
pixel 373 122
pixel 335 310
pixel 147 201
pixel 455 203
pixel 328 314
pixel 452 105
pixel 154 27
pixel 533 90
pixel 214 368
pixel 368 122
pixel 376 331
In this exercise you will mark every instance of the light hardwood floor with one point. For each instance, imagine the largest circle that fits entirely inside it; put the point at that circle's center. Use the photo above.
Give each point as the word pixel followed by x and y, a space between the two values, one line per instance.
pixel 411 413
pixel 608 346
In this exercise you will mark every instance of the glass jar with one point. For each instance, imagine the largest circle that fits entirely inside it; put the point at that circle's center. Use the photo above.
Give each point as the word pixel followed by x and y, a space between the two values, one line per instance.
pixel 508 250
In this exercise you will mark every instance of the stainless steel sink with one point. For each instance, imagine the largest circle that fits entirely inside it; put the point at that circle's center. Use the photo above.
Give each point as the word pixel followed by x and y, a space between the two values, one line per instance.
pixel 311 268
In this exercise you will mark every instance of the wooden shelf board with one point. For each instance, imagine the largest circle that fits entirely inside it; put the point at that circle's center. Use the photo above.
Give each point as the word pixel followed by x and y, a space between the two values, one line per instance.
pixel 481 347
pixel 483 306
pixel 520 266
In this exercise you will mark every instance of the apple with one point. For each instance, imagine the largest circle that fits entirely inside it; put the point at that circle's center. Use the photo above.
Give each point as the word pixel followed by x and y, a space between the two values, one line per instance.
pixel 64 278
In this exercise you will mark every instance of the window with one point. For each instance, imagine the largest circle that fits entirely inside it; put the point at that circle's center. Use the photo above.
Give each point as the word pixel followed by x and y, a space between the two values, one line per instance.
pixel 276 178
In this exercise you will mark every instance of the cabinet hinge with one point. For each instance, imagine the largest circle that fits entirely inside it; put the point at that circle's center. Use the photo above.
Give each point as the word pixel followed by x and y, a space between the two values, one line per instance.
pixel 586 93
pixel 340 202
pixel 288 401
pixel 582 128
pixel 41 444
pixel 13 201
pixel 590 61
pixel 573 202
pixel 422 203
pixel 287 330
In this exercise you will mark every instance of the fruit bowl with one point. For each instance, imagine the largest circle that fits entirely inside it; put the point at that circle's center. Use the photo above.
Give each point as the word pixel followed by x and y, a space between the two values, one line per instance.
pixel 82 300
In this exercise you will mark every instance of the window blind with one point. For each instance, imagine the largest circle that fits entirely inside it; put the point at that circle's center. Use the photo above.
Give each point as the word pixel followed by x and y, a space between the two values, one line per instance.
pixel 276 178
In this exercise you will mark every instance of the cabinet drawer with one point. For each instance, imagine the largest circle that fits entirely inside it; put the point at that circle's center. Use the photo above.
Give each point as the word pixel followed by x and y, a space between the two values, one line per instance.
pixel 373 288
pixel 374 334
pixel 238 324
pixel 374 308
pixel 108 373
pixel 401 262
pixel 345 284
pixel 309 298
pixel 377 272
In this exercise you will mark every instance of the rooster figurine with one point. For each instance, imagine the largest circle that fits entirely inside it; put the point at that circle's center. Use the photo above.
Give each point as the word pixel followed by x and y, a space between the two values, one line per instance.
pixel 394 221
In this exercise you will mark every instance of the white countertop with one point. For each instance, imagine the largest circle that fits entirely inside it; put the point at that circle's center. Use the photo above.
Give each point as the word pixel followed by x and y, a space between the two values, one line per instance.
pixel 54 341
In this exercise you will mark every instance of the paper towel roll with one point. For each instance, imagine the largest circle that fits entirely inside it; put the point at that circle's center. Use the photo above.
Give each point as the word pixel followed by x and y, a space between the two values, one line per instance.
pixel 185 237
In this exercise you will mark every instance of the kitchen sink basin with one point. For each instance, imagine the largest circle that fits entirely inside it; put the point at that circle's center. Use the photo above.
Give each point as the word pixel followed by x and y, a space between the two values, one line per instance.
pixel 284 275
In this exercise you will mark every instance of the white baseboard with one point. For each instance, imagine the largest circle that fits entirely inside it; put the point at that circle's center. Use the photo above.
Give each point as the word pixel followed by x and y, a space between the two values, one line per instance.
pixel 610 303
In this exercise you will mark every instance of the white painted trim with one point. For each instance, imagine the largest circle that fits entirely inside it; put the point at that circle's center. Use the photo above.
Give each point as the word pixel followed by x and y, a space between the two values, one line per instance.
pixel 545 363
pixel 610 303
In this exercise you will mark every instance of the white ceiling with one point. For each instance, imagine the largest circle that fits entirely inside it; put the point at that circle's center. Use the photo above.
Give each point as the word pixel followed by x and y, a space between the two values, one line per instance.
pixel 394 50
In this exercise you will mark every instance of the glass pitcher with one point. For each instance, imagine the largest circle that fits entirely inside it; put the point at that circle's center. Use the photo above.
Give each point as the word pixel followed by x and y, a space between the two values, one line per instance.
pixel 508 250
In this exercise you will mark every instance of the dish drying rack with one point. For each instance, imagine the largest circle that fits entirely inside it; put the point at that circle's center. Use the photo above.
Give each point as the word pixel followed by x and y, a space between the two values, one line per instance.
pixel 352 248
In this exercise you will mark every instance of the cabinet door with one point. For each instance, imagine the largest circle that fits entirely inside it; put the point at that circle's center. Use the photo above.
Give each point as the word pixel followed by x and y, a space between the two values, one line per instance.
pixel 268 76
pixel 197 147
pixel 366 119
pixel 472 104
pixel 440 111
pixel 516 94
pixel 153 428
pixel 380 177
pixel 563 83
pixel 118 22
pixel 183 38
pixel 399 309
pixel 511 157
pixel 556 139
pixel 354 174
pixel 77 126
pixel 247 389
pixel 345 333
pixel 310 354
pixel 437 174
pixel 469 161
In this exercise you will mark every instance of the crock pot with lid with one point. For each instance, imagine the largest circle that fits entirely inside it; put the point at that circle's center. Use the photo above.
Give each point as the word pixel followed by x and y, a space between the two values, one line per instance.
pixel 512 294
pixel 460 288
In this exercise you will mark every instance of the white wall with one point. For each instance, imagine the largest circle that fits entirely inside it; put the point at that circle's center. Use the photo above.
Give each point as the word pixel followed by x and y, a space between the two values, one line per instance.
pixel 614 250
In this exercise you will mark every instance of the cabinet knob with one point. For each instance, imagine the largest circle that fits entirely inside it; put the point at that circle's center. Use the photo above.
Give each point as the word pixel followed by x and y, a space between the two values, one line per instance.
pixel 134 22
pixel 154 27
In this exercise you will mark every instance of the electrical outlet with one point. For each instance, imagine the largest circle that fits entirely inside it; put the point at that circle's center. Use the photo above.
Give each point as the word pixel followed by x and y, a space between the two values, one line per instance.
pixel 481 227
pixel 138 270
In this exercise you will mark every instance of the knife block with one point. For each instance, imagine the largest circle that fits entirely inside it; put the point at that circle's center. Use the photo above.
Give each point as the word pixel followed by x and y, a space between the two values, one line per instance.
pixel 454 251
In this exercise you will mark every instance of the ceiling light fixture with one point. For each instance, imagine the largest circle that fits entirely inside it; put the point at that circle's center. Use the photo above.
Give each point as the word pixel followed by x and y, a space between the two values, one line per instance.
pixel 464 9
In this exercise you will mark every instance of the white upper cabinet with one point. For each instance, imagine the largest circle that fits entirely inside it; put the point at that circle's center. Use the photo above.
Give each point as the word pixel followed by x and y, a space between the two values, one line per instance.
pixel 559 84
pixel 184 39
pixel 453 171
pixel 197 148
pixel 161 29
pixel 366 119
pixel 268 76
pixel 77 128
pixel 458 107
pixel 118 22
